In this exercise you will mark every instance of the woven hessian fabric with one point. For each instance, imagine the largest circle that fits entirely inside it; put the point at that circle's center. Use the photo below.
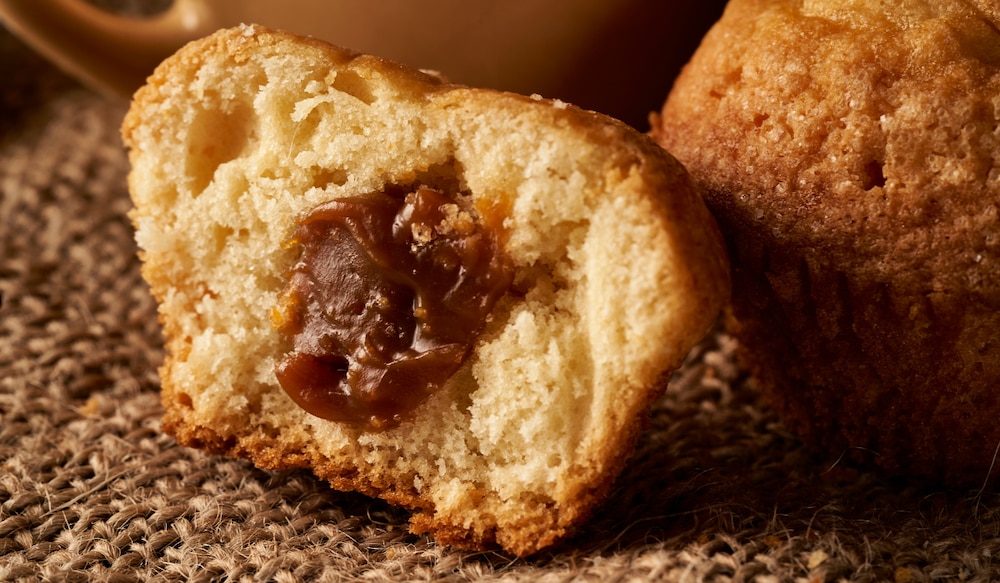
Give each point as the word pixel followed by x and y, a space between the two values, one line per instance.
pixel 90 489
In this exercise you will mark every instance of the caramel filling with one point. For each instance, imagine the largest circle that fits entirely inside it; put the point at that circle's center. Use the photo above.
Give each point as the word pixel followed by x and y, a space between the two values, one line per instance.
pixel 389 294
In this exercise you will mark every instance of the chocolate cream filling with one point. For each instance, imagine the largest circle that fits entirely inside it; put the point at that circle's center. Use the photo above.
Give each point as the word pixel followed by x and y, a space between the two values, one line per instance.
pixel 390 292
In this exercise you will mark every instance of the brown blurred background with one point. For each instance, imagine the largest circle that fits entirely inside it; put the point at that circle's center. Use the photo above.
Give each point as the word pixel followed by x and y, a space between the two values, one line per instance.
pixel 631 67
pixel 619 57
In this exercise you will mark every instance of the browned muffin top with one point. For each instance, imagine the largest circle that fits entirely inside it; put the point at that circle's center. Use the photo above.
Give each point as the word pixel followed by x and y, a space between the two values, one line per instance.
pixel 855 130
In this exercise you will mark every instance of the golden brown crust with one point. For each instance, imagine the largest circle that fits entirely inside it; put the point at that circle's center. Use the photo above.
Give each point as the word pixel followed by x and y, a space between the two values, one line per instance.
pixel 851 156
pixel 560 522
pixel 619 270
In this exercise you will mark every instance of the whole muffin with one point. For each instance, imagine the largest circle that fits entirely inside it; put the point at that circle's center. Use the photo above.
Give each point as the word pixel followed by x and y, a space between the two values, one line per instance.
pixel 849 149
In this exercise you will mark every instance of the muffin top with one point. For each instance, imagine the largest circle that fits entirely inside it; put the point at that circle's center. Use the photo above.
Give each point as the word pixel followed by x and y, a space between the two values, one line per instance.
pixel 863 132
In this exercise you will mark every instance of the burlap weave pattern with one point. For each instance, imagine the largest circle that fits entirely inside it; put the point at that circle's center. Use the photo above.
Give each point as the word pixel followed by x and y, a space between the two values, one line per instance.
pixel 91 490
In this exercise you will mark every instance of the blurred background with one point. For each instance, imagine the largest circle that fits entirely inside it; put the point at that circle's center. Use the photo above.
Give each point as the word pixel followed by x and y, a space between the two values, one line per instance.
pixel 628 69
pixel 618 57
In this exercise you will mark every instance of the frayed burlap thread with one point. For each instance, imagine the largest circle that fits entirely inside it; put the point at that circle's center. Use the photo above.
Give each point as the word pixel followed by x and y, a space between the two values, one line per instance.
pixel 91 490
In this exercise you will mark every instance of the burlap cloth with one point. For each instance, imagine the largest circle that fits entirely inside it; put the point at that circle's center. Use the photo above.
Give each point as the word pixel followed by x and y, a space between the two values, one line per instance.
pixel 91 490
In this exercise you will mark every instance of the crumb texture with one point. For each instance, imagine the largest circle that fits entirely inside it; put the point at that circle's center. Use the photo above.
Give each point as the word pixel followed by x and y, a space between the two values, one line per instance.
pixel 851 152
pixel 618 271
